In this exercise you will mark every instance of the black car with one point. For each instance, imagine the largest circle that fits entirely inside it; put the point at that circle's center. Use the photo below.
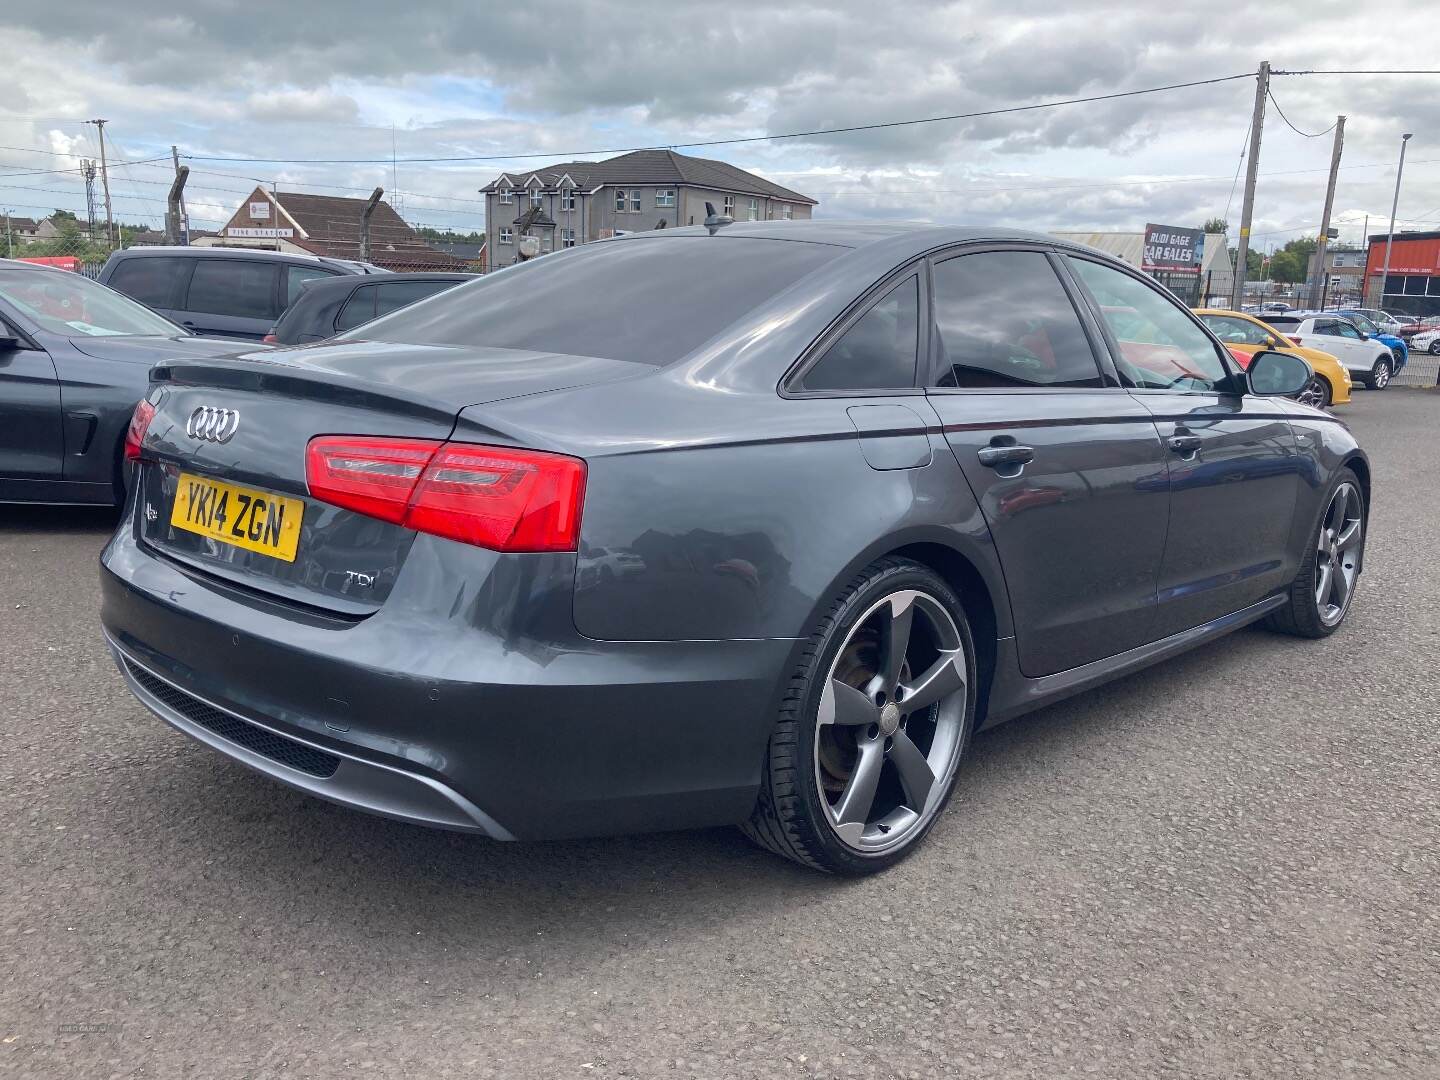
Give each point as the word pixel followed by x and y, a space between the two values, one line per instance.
pixel 220 291
pixel 679 529
pixel 75 357
pixel 326 308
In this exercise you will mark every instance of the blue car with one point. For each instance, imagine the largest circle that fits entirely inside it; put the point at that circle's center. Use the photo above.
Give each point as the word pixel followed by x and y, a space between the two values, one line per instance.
pixel 1398 349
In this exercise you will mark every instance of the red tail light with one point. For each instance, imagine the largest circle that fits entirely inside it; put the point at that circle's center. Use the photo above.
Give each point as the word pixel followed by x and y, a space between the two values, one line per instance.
pixel 490 496
pixel 1294 338
pixel 135 433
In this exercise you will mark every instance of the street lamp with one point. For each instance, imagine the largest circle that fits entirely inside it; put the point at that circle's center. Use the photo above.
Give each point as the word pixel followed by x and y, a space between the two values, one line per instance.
pixel 1394 206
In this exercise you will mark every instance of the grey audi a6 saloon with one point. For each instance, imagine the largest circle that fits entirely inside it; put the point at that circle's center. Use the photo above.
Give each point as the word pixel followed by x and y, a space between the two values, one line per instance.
pixel 753 524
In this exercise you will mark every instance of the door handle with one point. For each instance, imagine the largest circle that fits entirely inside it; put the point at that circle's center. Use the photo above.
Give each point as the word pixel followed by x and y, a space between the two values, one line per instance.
pixel 994 457
pixel 1185 445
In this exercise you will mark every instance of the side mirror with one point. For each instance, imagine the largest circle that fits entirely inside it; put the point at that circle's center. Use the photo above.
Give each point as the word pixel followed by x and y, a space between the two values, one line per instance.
pixel 1270 342
pixel 1277 374
pixel 10 343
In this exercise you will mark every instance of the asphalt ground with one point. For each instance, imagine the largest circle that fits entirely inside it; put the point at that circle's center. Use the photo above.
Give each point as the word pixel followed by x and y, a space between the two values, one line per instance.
pixel 1228 866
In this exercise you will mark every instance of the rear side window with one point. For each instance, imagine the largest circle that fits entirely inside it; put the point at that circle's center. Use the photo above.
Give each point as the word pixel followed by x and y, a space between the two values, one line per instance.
pixel 155 281
pixel 360 308
pixel 239 287
pixel 394 295
pixel 1005 320
pixel 650 300
pixel 878 351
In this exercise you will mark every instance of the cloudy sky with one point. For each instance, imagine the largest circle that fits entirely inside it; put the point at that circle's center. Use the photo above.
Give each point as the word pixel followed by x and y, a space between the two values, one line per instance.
pixel 326 79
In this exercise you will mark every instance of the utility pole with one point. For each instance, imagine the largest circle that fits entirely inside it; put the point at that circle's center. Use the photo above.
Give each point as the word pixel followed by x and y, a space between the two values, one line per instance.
pixel 87 170
pixel 105 184
pixel 365 223
pixel 9 243
pixel 1322 277
pixel 174 212
pixel 1394 206
pixel 1252 168
pixel 183 227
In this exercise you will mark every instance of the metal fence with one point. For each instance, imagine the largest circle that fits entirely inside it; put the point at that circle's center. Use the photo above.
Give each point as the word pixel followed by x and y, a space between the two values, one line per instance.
pixel 1422 369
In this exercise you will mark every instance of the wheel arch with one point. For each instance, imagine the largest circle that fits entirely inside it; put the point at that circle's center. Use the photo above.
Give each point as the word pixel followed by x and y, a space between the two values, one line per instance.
pixel 1360 466
pixel 987 605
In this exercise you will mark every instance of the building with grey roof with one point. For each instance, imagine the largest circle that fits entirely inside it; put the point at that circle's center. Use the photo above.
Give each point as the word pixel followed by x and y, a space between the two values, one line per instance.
pixel 575 202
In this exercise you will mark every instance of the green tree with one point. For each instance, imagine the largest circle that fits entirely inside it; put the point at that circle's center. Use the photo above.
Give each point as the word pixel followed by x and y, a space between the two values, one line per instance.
pixel 1291 263
pixel 1215 225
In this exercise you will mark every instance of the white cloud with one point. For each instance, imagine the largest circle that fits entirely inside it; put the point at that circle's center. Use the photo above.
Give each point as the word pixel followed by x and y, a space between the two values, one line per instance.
pixel 325 79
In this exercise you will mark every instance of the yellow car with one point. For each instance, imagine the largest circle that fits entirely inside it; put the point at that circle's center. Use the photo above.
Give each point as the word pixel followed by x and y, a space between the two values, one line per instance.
pixel 1246 334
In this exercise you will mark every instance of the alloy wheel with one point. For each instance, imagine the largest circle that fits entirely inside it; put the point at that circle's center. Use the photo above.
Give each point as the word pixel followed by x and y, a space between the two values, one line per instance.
pixel 1314 393
pixel 1337 561
pixel 1382 375
pixel 891 722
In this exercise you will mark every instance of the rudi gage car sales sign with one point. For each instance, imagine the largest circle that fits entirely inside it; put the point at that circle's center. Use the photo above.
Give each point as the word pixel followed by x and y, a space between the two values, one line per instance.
pixel 1173 250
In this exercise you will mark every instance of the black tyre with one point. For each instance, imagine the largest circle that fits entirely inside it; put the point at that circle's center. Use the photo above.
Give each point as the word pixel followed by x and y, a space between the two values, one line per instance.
pixel 874 723
pixel 1316 392
pixel 1435 347
pixel 1379 377
pixel 1320 596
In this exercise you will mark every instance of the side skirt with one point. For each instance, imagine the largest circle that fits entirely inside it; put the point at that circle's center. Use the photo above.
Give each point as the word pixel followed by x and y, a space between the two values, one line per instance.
pixel 1012 694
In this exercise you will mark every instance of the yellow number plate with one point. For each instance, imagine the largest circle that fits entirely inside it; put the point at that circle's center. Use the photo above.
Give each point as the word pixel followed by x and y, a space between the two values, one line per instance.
pixel 242 517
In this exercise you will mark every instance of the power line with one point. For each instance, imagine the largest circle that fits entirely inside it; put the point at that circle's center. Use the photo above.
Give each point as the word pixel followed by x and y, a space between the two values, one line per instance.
pixel 745 139
pixel 1291 126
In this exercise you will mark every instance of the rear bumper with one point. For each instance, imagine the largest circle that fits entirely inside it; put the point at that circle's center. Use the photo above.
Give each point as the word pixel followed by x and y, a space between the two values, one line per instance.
pixel 467 702
pixel 316 770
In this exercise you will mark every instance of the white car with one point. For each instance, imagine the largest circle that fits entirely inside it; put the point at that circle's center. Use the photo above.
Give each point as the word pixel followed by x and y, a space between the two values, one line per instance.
pixel 1427 340
pixel 1368 360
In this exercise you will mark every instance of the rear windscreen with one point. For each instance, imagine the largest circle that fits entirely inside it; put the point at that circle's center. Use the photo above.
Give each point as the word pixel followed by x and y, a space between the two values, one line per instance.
pixel 650 300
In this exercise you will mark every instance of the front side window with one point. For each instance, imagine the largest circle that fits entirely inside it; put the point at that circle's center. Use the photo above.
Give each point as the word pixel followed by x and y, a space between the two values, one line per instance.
pixel 1005 321
pixel 665 197
pixel 1160 348
pixel 507 236
pixel 621 200
pixel 1365 325
pixel 1346 330
pixel 1235 331
pixel 878 351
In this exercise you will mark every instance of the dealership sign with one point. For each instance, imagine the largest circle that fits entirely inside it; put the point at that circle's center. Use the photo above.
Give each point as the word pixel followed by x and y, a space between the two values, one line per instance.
pixel 1173 250
pixel 240 232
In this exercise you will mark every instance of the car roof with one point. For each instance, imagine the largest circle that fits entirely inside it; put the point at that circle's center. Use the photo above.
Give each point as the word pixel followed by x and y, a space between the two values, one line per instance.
pixel 232 253
pixel 920 235
pixel 17 264
pixel 323 286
